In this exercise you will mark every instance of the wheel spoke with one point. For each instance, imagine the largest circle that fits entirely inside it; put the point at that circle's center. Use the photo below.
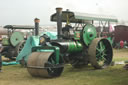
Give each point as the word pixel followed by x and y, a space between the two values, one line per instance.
pixel 105 54
pixel 98 54
pixel 52 61
pixel 98 49
pixel 104 58
pixel 101 52
pixel 101 46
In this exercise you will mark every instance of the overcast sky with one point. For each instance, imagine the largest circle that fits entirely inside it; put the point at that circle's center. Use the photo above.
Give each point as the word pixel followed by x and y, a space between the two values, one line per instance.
pixel 23 12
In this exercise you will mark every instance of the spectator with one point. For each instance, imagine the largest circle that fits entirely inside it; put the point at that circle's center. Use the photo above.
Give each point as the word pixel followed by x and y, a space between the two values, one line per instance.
pixel 121 44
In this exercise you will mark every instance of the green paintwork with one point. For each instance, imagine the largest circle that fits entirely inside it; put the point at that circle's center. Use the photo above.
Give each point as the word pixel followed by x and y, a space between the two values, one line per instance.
pixel 54 49
pixel 75 47
pixel 9 63
pixel 57 52
pixel 89 33
pixel 5 42
pixel 101 51
pixel 16 38
pixel 77 35
pixel 110 40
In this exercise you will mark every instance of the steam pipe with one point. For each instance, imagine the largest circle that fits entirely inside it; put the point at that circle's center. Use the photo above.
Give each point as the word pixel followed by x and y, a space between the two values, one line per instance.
pixel 59 22
pixel 36 26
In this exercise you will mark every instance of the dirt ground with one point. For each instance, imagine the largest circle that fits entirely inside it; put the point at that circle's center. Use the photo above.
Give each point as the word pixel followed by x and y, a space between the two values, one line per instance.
pixel 113 75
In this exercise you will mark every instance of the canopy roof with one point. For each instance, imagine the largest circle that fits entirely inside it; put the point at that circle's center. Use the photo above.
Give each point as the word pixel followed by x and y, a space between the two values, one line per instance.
pixel 76 17
pixel 19 27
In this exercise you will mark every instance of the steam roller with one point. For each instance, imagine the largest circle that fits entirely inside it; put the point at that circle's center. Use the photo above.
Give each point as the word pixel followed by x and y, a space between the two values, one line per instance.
pixel 12 45
pixel 78 46
pixel 15 40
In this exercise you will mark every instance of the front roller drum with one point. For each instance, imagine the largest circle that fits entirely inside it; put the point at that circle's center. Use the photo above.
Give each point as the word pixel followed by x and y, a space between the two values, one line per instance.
pixel 42 64
pixel 100 53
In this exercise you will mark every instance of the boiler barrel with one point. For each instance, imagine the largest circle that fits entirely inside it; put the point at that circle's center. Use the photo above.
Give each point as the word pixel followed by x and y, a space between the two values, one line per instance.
pixel 69 47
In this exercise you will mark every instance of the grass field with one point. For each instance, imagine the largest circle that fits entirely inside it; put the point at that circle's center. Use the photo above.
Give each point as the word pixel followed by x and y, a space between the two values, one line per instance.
pixel 113 75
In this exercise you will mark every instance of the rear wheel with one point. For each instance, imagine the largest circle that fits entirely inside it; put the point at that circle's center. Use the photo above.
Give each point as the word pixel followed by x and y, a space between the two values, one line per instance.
pixel 100 53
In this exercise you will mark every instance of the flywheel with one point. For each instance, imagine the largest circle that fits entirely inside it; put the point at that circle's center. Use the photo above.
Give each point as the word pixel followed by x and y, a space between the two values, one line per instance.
pixel 89 34
pixel 16 38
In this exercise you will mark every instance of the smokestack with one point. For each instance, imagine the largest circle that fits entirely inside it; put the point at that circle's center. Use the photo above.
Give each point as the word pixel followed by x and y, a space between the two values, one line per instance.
pixel 59 22
pixel 36 20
